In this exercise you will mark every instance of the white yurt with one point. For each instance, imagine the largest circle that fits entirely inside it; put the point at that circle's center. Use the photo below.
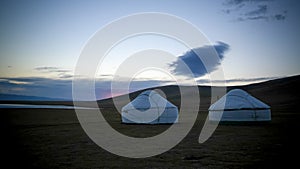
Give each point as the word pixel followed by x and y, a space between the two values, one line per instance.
pixel 149 108
pixel 238 105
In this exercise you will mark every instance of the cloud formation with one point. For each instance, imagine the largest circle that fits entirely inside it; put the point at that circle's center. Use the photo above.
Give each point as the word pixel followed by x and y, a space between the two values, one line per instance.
pixel 46 68
pixel 239 2
pixel 234 81
pixel 261 10
pixel 60 72
pixel 244 10
pixel 62 88
pixel 192 60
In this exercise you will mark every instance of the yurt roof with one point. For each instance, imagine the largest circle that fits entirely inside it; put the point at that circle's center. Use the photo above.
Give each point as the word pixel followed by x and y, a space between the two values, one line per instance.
pixel 238 99
pixel 143 101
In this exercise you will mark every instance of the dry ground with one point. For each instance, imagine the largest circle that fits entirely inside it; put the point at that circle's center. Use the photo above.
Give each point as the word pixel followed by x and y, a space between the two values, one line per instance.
pixel 47 138
pixel 53 138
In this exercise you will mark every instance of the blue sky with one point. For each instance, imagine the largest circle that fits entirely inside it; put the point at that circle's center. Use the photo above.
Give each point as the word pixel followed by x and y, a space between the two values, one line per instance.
pixel 43 39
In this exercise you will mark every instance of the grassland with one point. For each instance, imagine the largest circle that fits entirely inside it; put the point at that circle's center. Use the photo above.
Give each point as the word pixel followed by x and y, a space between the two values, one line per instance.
pixel 53 138
pixel 39 138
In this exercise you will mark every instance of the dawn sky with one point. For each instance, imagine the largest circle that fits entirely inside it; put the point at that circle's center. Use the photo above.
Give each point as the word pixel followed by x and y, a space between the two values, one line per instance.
pixel 43 39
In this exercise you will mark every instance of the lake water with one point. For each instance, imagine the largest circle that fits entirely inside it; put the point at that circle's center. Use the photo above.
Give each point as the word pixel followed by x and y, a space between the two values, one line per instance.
pixel 33 106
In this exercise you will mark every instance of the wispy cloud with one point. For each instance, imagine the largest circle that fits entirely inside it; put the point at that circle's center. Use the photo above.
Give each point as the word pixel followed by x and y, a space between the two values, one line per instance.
pixel 64 75
pixel 244 10
pixel 51 69
pixel 280 16
pixel 35 86
pixel 192 60
pixel 237 81
pixel 11 81
pixel 46 68
pixel 239 2
pixel 105 76
pixel 261 10
pixel 62 88
pixel 60 72
pixel 236 8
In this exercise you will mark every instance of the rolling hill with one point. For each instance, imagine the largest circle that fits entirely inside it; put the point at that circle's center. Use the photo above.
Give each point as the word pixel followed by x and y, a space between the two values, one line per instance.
pixel 278 93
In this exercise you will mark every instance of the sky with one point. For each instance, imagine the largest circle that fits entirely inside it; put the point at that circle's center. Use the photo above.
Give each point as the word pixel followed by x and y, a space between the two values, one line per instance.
pixel 41 41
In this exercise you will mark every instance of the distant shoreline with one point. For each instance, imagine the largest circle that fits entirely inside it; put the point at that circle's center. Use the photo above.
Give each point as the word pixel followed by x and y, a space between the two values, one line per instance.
pixel 40 106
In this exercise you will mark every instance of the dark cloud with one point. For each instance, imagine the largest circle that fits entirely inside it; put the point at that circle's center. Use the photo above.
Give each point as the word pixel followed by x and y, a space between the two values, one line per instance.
pixel 261 10
pixel 239 2
pixel 61 70
pixel 52 69
pixel 255 18
pixel 192 60
pixel 244 10
pixel 236 8
pixel 233 2
pixel 280 16
pixel 43 68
